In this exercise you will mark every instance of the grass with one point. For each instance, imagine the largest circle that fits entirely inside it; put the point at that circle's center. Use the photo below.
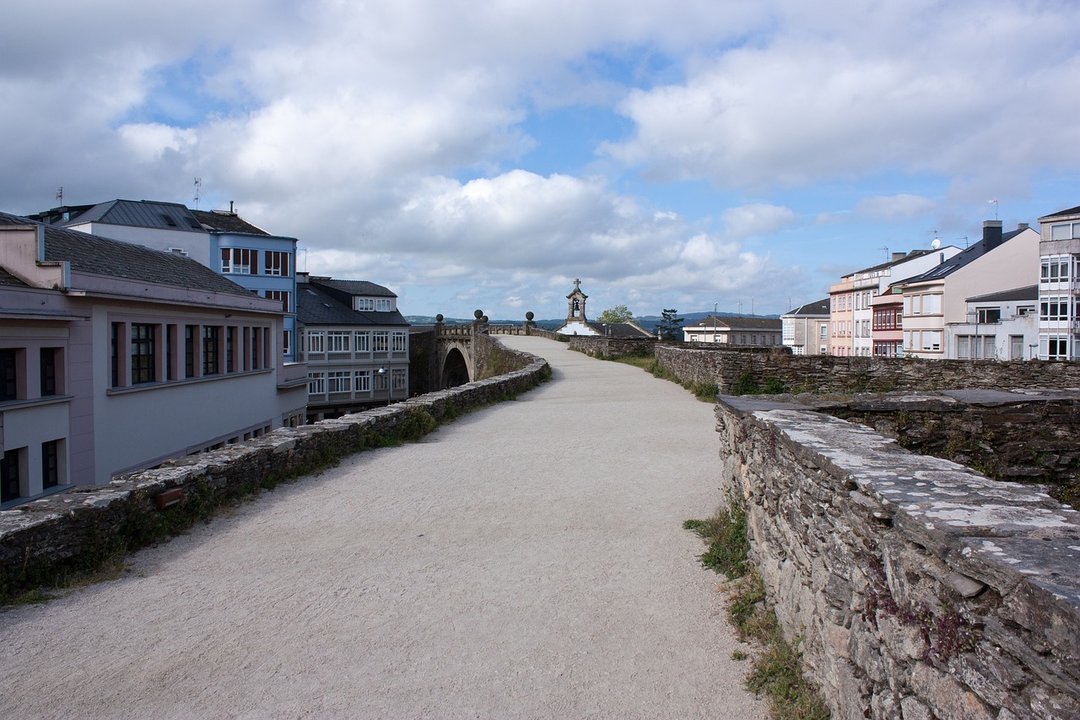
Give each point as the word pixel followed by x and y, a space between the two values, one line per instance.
pixel 706 392
pixel 776 668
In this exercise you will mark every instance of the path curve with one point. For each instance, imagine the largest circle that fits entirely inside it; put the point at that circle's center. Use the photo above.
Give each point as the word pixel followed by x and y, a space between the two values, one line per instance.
pixel 526 561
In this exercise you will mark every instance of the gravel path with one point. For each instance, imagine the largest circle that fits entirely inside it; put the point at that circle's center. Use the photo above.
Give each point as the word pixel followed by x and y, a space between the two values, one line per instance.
pixel 526 561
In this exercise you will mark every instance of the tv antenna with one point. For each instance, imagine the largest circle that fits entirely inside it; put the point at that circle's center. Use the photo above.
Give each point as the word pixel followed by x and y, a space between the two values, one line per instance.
pixel 60 194
pixel 886 249
pixel 198 187
pixel 995 204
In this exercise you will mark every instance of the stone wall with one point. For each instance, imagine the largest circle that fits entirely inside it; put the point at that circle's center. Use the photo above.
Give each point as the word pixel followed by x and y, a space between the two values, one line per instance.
pixel 728 367
pixel 43 541
pixel 919 588
pixel 1028 436
pixel 607 348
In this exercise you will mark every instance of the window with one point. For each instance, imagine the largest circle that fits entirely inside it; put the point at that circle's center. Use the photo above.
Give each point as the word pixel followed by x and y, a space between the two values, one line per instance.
pixel 170 348
pixel 49 358
pixel 9 385
pixel 339 381
pixel 380 341
pixel 276 263
pixel 286 342
pixel 381 379
pixel 337 341
pixel 824 331
pixel 362 380
pixel 238 261
pixel 1053 309
pixel 50 464
pixel 383 305
pixel 190 338
pixel 987 316
pixel 1065 231
pixel 398 378
pixel 10 486
pixel 1054 347
pixel 363 304
pixel 316 342
pixel 143 356
pixel 114 352
pixel 280 295
pixel 230 348
pixel 398 342
pixel 931 341
pixel 362 342
pixel 931 304
pixel 788 332
pixel 211 350
pixel 316 384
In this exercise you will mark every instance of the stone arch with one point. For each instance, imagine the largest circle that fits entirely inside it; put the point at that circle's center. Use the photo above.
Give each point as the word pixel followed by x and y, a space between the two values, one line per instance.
pixel 454 369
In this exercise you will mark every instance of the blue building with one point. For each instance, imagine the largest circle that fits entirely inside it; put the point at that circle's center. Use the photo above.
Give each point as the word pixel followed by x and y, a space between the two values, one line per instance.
pixel 219 239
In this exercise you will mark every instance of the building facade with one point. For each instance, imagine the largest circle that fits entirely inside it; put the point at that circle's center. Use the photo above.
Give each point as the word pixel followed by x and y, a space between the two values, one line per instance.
pixel 805 329
pixel 997 326
pixel 218 239
pixel 355 343
pixel 1059 286
pixel 115 357
pixel 748 330
pixel 939 297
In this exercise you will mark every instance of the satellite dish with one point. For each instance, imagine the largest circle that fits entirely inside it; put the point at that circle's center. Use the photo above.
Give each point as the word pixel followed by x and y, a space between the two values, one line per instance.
pixel 936 243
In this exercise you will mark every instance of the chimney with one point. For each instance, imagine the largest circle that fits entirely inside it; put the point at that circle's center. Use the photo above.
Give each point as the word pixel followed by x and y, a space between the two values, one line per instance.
pixel 1022 226
pixel 991 234
pixel 898 256
pixel 231 210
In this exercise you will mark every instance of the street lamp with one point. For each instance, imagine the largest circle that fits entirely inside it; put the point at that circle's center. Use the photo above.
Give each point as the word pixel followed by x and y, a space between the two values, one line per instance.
pixel 715 339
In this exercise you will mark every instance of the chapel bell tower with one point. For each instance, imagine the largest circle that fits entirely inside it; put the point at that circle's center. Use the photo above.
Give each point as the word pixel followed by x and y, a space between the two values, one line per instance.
pixel 575 304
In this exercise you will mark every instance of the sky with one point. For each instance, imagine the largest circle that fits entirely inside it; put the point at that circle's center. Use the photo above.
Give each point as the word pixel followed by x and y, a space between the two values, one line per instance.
pixel 482 155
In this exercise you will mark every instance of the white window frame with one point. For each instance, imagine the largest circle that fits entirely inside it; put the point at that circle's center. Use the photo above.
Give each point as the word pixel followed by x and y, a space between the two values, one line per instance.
pixel 276 263
pixel 362 381
pixel 380 341
pixel 364 304
pixel 239 261
pixel 316 342
pixel 361 341
pixel 337 341
pixel 316 383
pixel 398 342
pixel 339 381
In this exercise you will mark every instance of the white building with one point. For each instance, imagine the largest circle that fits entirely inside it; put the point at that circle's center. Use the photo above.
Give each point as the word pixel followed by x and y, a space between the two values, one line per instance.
pixel 805 329
pixel 998 326
pixel 853 297
pixel 939 297
pixel 748 330
pixel 1059 286
pixel 115 357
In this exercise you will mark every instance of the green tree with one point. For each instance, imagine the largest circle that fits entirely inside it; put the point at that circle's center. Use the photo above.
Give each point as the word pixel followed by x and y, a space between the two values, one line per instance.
pixel 670 326
pixel 617 314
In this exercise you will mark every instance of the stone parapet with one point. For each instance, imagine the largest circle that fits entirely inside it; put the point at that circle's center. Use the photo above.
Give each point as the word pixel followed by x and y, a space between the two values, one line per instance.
pixel 606 348
pixel 918 588
pixel 41 542
pixel 729 368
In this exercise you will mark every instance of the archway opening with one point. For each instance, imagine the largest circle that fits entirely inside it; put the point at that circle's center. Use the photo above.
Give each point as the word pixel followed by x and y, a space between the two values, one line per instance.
pixel 455 370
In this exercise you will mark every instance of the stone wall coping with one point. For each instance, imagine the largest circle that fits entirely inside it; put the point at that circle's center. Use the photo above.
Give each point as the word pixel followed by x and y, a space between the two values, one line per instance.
pixel 1002 534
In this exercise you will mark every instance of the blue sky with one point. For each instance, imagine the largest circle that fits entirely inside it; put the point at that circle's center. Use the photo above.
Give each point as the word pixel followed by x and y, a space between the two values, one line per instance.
pixel 685 155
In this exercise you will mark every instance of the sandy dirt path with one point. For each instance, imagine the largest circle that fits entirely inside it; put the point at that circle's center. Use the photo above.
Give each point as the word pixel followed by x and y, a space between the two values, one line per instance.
pixel 526 561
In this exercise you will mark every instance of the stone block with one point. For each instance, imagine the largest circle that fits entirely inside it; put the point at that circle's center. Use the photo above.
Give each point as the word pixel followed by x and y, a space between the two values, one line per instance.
pixel 947 698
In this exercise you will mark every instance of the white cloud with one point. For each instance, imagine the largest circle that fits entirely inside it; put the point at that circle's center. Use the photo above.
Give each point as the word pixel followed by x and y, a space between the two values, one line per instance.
pixel 892 207
pixel 756 219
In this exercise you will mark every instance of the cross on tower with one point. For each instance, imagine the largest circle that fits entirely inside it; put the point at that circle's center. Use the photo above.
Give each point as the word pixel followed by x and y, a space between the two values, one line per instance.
pixel 577 284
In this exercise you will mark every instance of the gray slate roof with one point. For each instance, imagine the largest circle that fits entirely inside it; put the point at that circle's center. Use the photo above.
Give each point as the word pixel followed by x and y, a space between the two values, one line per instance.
pixel 354 287
pixel 113 258
pixel 1028 292
pixel 889 263
pixel 813 309
pixel 141 213
pixel 10 280
pixel 964 257
pixel 1069 211
pixel 620 330
pixel 318 304
pixel 224 221
pixel 739 322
